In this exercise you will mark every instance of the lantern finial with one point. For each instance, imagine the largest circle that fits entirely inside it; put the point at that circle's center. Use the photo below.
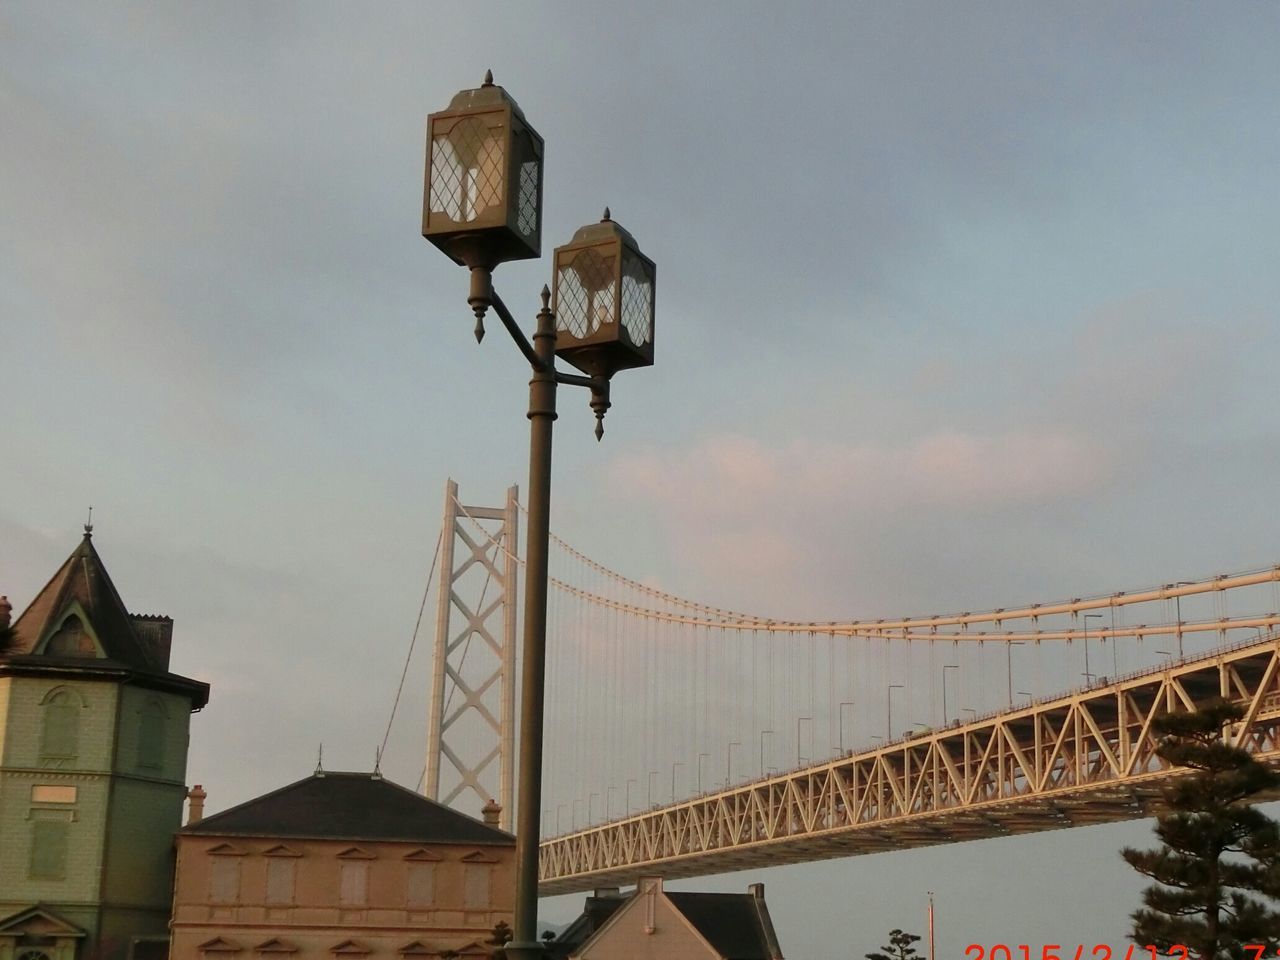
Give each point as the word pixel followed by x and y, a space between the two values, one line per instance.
pixel 607 217
pixel 546 296
pixel 488 79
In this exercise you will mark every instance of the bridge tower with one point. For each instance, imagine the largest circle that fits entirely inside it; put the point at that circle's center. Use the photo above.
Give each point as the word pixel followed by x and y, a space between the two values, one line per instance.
pixel 471 723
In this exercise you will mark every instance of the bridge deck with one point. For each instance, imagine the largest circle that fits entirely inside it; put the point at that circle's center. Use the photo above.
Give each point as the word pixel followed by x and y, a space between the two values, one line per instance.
pixel 1083 758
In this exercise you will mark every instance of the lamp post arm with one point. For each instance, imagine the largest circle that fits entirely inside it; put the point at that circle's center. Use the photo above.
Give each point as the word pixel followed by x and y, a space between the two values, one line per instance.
pixel 513 328
pixel 483 295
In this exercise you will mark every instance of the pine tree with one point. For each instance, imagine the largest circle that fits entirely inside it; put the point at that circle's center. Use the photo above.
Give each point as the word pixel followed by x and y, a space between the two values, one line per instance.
pixel 1218 870
pixel 899 947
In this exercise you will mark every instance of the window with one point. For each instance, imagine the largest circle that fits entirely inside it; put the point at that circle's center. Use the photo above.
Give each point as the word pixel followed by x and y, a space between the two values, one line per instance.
pixel 280 878
pixel 224 879
pixel 151 735
pixel 475 883
pixel 60 734
pixel 353 885
pixel 49 850
pixel 420 888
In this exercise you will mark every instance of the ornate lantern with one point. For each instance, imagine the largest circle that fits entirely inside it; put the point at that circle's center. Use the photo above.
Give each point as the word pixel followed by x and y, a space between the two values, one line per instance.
pixel 483 199
pixel 603 300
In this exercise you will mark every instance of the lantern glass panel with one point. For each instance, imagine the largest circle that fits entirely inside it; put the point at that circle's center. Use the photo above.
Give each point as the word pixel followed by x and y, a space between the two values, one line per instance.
pixel 637 300
pixel 468 168
pixel 586 293
pixel 527 199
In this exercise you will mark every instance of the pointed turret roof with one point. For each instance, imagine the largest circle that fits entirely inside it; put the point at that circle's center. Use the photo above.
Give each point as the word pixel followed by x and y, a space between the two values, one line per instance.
pixel 83 581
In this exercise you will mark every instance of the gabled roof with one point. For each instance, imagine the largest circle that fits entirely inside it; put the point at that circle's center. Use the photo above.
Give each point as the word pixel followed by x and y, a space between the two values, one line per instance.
pixel 595 912
pixel 349 806
pixel 737 925
pixel 82 581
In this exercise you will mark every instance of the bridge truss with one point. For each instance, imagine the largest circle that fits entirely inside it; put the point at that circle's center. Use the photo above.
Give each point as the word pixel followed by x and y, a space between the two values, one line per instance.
pixel 1083 758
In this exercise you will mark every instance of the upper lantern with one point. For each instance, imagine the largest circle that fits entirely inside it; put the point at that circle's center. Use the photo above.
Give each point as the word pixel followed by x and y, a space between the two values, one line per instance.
pixel 483 199
pixel 603 300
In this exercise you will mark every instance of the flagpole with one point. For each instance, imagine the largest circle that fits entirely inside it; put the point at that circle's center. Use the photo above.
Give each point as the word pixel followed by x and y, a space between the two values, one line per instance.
pixel 931 956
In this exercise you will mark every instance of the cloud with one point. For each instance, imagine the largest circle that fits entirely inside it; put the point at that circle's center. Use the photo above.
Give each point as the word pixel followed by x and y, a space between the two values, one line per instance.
pixel 786 518
pixel 734 475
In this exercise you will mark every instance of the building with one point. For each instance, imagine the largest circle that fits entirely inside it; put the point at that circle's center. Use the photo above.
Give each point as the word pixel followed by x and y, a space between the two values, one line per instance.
pixel 654 924
pixel 340 865
pixel 93 761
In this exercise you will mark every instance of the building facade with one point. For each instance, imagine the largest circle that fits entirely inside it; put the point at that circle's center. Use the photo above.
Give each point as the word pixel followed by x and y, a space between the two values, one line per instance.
pixel 340 865
pixel 93 755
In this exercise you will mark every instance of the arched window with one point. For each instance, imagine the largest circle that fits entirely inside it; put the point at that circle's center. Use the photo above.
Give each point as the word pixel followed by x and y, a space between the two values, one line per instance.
pixel 32 954
pixel 151 733
pixel 60 730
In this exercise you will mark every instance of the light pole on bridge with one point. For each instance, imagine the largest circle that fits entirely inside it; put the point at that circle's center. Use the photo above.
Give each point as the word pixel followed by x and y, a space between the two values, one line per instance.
pixel 701 757
pixel 888 725
pixel 677 763
pixel 843 704
pixel 1088 677
pixel 482 206
pixel 728 763
pixel 799 759
pixel 1008 652
pixel 762 735
pixel 1177 600
pixel 946 717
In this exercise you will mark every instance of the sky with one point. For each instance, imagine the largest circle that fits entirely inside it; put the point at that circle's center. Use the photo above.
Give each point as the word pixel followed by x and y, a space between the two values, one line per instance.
pixel 957 306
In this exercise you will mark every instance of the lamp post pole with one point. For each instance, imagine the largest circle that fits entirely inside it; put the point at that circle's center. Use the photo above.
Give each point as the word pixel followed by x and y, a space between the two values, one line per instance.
pixel 762 733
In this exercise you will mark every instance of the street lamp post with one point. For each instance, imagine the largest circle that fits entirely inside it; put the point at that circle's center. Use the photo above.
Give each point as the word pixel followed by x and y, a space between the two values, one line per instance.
pixel 701 757
pixel 482 206
pixel 888 722
pixel 630 781
pixel 677 763
pixel 728 763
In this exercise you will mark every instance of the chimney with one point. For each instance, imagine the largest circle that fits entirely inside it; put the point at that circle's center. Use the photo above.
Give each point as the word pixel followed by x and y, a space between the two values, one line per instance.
pixel 756 890
pixel 491 812
pixel 195 809
pixel 5 609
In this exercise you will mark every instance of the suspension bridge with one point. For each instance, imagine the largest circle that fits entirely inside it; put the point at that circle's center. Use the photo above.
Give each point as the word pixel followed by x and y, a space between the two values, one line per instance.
pixel 683 739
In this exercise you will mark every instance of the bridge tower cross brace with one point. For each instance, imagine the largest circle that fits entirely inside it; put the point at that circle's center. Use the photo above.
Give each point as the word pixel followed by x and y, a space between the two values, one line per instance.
pixel 467 693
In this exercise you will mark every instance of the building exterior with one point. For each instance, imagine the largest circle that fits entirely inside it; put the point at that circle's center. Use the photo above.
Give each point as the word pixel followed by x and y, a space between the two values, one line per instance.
pixel 93 757
pixel 654 924
pixel 340 865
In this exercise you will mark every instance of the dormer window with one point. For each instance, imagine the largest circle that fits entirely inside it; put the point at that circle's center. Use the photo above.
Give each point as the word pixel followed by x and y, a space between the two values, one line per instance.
pixel 70 640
